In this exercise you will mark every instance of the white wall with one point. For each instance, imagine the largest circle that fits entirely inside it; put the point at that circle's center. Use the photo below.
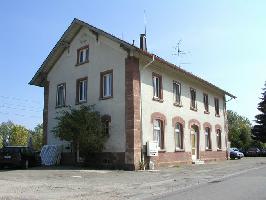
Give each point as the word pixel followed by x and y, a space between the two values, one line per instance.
pixel 150 106
pixel 103 55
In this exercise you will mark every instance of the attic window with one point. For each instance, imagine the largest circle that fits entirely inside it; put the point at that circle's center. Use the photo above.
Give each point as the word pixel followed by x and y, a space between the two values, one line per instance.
pixel 83 55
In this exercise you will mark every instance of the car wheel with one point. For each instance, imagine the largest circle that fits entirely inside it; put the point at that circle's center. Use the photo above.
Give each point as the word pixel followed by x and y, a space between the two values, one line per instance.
pixel 26 164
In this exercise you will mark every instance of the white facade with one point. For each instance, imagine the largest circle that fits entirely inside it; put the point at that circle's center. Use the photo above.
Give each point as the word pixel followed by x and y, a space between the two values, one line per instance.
pixel 170 111
pixel 103 55
pixel 131 106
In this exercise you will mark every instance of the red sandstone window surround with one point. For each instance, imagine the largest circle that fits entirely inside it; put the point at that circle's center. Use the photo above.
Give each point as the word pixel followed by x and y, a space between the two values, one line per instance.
pixel 219 139
pixel 216 104
pixel 81 90
pixel 61 95
pixel 206 103
pixel 83 55
pixel 157 87
pixel 106 85
pixel 179 136
pixel 193 103
pixel 208 138
pixel 177 93
pixel 158 133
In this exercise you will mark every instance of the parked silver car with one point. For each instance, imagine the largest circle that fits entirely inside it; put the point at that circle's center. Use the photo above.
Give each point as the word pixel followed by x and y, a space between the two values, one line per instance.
pixel 235 153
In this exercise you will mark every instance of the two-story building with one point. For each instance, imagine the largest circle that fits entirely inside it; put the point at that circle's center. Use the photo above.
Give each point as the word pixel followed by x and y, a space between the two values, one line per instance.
pixel 141 96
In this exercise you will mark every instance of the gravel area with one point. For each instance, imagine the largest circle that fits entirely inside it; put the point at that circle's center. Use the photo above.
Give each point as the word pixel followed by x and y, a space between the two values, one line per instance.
pixel 77 183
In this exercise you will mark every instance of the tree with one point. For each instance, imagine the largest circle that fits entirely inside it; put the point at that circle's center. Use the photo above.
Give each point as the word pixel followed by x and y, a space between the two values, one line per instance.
pixel 5 131
pixel 19 136
pixel 83 127
pixel 1 142
pixel 239 130
pixel 36 136
pixel 259 130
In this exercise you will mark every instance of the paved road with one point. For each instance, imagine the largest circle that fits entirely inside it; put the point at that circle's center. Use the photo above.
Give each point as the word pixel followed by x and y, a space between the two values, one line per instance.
pixel 250 185
pixel 195 181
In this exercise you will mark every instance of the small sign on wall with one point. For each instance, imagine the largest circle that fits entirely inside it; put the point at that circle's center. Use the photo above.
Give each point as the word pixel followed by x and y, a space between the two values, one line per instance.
pixel 152 148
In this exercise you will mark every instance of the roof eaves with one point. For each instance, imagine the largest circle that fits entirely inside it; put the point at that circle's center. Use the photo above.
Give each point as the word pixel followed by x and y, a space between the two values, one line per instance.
pixel 161 60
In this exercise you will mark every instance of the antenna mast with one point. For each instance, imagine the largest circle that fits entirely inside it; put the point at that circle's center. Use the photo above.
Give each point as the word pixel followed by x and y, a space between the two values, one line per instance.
pixel 145 22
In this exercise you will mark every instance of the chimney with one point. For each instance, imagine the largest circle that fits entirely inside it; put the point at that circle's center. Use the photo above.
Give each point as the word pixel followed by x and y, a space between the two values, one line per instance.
pixel 143 44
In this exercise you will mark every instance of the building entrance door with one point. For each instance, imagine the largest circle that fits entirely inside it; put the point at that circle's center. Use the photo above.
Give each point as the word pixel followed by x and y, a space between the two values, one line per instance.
pixel 194 143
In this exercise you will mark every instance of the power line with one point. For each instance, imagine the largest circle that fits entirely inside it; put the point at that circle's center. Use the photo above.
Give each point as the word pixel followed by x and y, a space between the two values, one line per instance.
pixel 19 115
pixel 19 99
pixel 18 108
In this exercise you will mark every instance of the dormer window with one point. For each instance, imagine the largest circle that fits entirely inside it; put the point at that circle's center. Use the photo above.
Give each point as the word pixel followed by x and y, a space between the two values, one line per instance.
pixel 83 55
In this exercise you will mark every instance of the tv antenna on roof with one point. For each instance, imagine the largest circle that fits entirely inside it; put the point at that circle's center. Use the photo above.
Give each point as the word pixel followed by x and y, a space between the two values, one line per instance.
pixel 179 51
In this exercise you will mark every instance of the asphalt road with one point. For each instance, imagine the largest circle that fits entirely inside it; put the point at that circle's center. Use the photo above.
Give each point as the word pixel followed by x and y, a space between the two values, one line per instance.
pixel 231 179
pixel 250 185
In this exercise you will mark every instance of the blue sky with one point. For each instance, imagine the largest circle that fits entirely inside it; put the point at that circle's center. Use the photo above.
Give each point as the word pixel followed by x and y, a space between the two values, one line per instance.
pixel 225 43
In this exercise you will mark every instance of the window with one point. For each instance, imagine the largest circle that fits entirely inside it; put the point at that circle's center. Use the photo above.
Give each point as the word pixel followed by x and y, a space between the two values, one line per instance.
pixel 61 95
pixel 206 103
pixel 106 84
pixel 219 139
pixel 82 90
pixel 157 132
pixel 179 136
pixel 193 104
pixel 177 92
pixel 157 86
pixel 216 104
pixel 207 138
pixel 83 55
pixel 106 120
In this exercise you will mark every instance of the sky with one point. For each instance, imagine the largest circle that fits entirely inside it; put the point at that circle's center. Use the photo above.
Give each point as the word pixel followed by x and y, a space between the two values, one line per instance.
pixel 223 41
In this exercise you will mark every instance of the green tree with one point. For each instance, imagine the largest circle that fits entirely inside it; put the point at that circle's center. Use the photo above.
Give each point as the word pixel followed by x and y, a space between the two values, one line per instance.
pixel 36 136
pixel 259 130
pixel 6 131
pixel 83 127
pixel 19 136
pixel 239 130
pixel 1 142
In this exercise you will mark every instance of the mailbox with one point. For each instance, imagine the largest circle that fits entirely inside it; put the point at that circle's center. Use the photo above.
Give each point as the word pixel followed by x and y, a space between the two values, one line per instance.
pixel 152 148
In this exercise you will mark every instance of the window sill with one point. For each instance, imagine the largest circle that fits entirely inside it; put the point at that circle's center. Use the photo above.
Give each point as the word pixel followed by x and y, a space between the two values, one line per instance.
pixel 219 149
pixel 63 106
pixel 206 112
pixel 208 149
pixel 178 104
pixel 194 109
pixel 78 64
pixel 81 102
pixel 105 98
pixel 162 150
pixel 217 115
pixel 179 150
pixel 157 99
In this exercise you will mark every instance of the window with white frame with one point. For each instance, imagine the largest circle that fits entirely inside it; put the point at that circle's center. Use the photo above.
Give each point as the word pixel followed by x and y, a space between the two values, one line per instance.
pixel 107 84
pixel 157 86
pixel 157 132
pixel 207 138
pixel 61 95
pixel 179 136
pixel 82 90
pixel 177 92
pixel 83 55
pixel 219 139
